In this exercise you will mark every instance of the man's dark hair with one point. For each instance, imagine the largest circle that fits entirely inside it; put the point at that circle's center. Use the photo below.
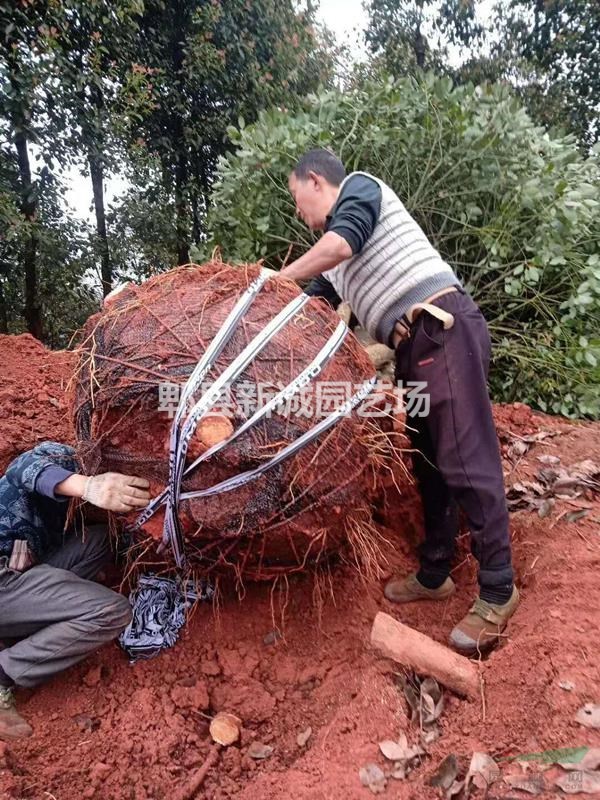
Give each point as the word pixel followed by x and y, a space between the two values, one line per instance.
pixel 322 162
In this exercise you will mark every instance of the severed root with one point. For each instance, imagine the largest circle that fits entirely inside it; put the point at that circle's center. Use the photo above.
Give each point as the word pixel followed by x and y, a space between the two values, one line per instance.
pixel 225 728
pixel 190 789
pixel 426 657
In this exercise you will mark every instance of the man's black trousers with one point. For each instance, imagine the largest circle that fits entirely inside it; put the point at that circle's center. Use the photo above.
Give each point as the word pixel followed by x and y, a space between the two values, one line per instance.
pixel 458 461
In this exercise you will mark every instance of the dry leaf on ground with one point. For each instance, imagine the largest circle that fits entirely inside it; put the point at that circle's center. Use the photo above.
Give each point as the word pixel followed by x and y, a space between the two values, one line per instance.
pixel 483 771
pixel 580 782
pixel 532 784
pixel 445 775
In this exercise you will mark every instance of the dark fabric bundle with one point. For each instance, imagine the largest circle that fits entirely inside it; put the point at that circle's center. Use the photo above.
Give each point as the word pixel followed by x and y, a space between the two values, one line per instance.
pixel 159 608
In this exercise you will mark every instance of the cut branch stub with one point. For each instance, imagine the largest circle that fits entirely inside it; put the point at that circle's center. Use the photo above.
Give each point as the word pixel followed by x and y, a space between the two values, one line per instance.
pixel 426 657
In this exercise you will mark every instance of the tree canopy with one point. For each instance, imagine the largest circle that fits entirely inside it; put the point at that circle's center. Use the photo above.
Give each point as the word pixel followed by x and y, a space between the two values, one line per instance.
pixel 142 88
pixel 547 50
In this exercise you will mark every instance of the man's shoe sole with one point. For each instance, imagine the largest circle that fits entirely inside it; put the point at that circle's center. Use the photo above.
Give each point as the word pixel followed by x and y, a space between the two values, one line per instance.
pixel 487 640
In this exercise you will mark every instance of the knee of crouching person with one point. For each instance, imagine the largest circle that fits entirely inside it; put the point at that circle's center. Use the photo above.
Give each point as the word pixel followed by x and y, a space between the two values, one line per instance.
pixel 117 615
pixel 97 536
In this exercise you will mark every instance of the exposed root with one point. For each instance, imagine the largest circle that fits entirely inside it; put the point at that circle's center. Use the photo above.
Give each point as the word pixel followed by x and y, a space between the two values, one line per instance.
pixel 322 590
pixel 281 587
pixel 365 545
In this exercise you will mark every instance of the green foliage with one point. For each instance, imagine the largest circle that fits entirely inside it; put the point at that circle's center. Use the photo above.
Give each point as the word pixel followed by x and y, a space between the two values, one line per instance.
pixel 559 41
pixel 65 261
pixel 92 88
pixel 515 211
pixel 546 49
pixel 97 93
pixel 142 225
pixel 213 64
pixel 143 87
pixel 413 35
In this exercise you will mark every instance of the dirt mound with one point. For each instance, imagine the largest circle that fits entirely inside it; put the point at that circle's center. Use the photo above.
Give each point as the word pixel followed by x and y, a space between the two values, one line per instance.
pixel 297 512
pixel 33 395
pixel 113 731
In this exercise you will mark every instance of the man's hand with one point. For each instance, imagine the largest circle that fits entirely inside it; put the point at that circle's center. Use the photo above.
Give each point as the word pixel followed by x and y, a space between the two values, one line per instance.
pixel 115 492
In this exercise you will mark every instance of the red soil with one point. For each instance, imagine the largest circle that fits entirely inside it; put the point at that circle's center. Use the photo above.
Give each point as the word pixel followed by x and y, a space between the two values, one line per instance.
pixel 33 401
pixel 107 730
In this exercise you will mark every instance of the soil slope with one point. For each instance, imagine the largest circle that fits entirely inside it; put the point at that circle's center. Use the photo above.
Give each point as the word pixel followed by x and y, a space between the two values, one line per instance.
pixel 114 731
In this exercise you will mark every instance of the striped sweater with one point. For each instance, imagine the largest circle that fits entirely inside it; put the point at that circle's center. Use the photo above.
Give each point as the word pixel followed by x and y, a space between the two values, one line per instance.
pixel 396 268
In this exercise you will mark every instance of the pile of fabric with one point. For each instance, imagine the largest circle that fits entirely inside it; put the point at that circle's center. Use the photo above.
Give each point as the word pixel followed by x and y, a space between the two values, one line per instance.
pixel 159 611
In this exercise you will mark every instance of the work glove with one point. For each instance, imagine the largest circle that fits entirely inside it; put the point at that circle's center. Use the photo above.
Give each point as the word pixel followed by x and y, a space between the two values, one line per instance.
pixel 115 492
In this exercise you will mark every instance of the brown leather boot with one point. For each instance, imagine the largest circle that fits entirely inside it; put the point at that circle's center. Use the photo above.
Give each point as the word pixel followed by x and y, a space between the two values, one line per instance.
pixel 480 629
pixel 12 724
pixel 405 590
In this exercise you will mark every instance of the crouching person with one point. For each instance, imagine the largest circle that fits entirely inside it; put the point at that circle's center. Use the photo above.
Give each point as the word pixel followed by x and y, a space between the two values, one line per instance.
pixel 51 612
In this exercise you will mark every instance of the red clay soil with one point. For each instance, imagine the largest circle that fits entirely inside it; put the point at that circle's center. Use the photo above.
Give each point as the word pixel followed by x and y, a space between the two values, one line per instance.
pixel 298 513
pixel 110 730
pixel 33 401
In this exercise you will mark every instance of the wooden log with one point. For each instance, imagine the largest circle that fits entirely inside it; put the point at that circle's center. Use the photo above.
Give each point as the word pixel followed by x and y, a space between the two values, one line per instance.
pixel 424 656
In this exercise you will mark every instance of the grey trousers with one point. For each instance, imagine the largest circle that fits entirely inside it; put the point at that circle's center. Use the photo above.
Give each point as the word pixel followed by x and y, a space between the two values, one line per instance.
pixel 56 612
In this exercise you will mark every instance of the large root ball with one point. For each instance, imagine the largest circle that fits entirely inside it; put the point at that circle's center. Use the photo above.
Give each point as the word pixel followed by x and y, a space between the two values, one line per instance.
pixel 137 353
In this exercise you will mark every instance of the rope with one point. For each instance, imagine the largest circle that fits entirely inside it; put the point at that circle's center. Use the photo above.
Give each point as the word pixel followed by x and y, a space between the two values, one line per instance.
pixel 315 367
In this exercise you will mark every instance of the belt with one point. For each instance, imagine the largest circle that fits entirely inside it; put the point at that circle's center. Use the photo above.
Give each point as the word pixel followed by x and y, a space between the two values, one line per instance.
pixel 402 326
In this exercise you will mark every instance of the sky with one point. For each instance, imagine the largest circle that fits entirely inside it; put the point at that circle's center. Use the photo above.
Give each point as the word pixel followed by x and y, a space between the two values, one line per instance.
pixel 346 18
pixel 342 16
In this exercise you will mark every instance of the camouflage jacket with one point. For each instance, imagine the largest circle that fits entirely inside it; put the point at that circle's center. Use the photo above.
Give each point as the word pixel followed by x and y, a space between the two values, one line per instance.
pixel 29 509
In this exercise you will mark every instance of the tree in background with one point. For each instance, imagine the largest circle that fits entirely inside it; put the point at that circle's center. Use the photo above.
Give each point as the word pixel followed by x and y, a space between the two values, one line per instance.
pixel 96 90
pixel 547 50
pixel 67 261
pixel 559 41
pixel 143 231
pixel 412 36
pixel 145 88
pixel 211 64
pixel 25 31
pixel 64 259
pixel 12 233
pixel 44 255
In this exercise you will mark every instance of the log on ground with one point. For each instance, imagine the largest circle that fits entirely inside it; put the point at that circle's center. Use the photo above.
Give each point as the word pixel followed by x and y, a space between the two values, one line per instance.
pixel 425 656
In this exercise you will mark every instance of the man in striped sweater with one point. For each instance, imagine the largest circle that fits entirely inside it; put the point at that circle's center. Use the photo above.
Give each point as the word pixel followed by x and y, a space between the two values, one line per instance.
pixel 376 257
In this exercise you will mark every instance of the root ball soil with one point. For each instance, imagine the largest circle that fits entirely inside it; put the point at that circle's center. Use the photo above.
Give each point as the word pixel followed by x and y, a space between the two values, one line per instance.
pixel 142 348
